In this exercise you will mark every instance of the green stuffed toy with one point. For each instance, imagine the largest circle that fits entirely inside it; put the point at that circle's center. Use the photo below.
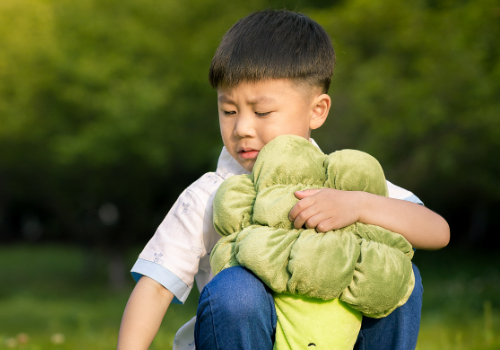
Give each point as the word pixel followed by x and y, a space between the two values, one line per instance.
pixel 322 282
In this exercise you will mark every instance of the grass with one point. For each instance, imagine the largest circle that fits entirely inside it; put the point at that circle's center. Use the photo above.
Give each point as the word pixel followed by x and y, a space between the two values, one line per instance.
pixel 461 308
pixel 49 300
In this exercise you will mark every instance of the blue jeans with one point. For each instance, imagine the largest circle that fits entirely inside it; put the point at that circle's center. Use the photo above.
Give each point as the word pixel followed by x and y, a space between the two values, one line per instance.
pixel 236 312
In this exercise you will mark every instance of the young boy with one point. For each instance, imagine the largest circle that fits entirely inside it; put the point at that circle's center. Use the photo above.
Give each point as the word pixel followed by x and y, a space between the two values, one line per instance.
pixel 272 72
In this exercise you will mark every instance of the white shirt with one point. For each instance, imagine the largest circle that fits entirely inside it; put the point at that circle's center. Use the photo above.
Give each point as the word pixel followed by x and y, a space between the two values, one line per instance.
pixel 179 251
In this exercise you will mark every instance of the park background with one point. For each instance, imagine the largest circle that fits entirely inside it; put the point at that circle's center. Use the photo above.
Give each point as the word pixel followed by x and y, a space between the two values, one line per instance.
pixel 106 115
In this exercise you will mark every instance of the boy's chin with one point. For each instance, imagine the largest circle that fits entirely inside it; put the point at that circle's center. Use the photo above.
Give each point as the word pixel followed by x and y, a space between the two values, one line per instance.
pixel 248 165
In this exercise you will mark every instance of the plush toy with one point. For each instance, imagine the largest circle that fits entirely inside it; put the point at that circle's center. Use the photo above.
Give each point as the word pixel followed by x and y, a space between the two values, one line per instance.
pixel 322 282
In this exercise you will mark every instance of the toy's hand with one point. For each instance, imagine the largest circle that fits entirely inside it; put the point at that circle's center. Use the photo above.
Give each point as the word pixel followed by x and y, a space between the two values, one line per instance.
pixel 325 209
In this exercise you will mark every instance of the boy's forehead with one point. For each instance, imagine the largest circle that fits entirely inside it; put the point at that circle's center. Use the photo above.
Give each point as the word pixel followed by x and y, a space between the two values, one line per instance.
pixel 262 91
pixel 224 97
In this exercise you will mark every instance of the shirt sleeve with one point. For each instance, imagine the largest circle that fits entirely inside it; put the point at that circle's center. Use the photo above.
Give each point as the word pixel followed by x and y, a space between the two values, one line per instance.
pixel 173 254
pixel 400 193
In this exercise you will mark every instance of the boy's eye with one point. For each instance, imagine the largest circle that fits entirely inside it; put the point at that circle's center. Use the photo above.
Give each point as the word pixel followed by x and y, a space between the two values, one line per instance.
pixel 262 114
pixel 228 112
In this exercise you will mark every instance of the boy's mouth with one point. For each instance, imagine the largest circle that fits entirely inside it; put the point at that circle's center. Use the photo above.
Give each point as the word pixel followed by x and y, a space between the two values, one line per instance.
pixel 248 153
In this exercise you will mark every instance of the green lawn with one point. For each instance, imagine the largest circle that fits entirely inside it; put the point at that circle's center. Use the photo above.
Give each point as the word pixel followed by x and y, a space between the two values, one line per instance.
pixel 49 300
pixel 461 299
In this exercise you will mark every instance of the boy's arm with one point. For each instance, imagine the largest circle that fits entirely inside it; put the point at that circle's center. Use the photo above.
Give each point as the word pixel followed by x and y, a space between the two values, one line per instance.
pixel 143 314
pixel 329 209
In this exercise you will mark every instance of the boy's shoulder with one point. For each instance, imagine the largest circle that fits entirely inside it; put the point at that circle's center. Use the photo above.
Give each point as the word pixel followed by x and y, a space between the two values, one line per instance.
pixel 400 193
pixel 206 186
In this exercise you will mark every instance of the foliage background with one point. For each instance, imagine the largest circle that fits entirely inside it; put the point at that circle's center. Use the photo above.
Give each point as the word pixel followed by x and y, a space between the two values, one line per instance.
pixel 106 114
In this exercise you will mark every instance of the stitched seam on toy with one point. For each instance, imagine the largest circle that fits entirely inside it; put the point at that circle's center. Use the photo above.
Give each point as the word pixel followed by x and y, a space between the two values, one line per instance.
pixel 284 264
pixel 320 184
pixel 282 329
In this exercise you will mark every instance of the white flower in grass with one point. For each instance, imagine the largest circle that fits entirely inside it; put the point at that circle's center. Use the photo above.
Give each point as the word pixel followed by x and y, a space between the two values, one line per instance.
pixel 58 338
pixel 11 342
pixel 23 338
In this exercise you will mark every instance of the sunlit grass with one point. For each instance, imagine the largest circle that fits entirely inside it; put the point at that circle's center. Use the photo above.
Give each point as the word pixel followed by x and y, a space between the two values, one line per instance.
pixel 470 332
pixel 461 300
pixel 49 299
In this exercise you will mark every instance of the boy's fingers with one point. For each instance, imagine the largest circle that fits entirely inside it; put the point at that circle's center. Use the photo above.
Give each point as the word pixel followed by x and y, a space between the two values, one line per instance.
pixel 326 225
pixel 299 207
pixel 307 217
pixel 313 221
pixel 307 193
pixel 303 203
pixel 300 219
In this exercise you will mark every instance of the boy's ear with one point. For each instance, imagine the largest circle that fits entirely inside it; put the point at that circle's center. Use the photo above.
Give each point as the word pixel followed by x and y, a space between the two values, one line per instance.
pixel 320 108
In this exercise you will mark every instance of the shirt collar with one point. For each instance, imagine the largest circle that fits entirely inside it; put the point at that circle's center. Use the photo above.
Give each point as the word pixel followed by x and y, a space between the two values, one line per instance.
pixel 228 166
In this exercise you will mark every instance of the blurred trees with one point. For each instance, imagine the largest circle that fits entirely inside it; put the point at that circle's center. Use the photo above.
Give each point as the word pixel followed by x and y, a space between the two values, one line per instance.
pixel 106 114
pixel 418 85
pixel 106 102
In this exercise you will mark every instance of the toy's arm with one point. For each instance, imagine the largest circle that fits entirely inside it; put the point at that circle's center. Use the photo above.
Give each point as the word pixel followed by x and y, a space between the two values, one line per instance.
pixel 143 314
pixel 330 209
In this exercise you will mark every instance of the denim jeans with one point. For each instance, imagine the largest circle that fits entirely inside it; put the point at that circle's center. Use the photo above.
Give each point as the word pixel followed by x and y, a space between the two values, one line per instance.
pixel 236 312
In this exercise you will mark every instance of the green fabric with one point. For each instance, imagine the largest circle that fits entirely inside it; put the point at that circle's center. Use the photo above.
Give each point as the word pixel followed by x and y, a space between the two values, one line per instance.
pixel 366 267
pixel 310 323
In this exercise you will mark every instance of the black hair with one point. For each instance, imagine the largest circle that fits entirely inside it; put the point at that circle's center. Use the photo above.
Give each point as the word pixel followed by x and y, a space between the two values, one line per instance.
pixel 274 44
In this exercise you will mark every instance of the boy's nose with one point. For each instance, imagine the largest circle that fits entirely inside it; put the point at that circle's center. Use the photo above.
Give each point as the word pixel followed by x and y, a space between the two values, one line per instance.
pixel 244 126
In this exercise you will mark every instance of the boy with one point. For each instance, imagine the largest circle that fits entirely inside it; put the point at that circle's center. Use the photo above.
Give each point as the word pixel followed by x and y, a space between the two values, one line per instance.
pixel 272 72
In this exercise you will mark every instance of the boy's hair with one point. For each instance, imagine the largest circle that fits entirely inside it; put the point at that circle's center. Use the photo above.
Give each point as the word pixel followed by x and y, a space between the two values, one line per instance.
pixel 274 44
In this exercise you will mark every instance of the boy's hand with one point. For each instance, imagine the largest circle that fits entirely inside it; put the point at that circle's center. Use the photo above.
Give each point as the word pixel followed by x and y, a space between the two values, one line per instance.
pixel 325 209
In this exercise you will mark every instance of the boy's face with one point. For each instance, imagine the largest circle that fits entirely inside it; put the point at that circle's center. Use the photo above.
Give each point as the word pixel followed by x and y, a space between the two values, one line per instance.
pixel 252 114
